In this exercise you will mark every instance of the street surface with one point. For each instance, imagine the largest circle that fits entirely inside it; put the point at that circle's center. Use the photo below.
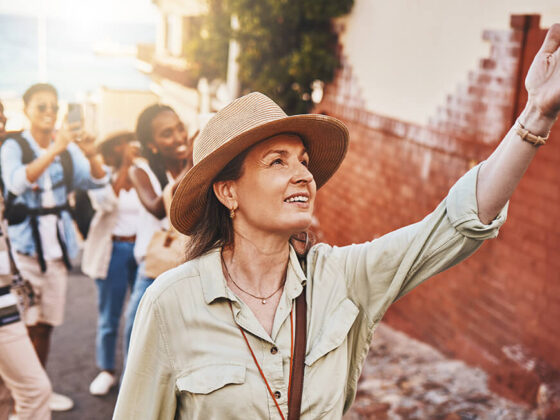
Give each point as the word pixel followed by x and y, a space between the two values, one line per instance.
pixel 71 366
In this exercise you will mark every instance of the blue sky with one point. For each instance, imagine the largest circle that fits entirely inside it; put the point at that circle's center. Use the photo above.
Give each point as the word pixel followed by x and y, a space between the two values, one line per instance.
pixel 139 11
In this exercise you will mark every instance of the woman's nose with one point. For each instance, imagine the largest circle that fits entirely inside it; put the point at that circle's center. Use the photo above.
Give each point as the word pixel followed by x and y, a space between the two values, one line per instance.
pixel 178 137
pixel 302 174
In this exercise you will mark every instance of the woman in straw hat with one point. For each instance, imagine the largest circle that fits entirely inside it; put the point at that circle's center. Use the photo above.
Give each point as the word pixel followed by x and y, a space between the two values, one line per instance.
pixel 220 336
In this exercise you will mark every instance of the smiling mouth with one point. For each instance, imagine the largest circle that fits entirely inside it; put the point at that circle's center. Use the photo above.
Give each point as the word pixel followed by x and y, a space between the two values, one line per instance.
pixel 297 199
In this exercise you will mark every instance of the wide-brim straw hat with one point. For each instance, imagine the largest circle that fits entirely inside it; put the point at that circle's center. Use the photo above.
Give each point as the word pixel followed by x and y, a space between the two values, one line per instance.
pixel 240 125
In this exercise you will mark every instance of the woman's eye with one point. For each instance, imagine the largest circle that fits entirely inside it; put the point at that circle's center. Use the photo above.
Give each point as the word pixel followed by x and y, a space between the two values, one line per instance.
pixel 277 162
pixel 305 163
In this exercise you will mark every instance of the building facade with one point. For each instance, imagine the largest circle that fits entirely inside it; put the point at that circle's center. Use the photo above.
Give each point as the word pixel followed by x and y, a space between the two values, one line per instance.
pixel 427 91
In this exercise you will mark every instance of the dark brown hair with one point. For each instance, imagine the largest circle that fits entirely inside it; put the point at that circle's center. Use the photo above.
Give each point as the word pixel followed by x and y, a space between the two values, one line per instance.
pixel 36 88
pixel 215 227
pixel 106 148
pixel 145 135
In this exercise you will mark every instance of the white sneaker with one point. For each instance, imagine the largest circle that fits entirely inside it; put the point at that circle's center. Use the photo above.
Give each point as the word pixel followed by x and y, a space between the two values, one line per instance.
pixel 59 402
pixel 102 383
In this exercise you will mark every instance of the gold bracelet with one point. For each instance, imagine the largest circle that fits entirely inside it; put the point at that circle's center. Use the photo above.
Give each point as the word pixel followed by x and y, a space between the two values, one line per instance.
pixel 529 137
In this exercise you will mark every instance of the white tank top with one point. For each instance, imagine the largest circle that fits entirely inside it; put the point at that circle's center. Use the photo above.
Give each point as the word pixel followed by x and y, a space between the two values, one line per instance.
pixel 127 223
pixel 148 223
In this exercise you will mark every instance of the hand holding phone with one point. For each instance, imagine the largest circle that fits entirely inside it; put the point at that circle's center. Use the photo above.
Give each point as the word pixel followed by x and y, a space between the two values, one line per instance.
pixel 75 116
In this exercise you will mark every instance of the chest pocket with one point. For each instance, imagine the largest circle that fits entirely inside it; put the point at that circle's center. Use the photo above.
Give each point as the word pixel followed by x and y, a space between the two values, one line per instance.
pixel 206 391
pixel 333 334
pixel 207 379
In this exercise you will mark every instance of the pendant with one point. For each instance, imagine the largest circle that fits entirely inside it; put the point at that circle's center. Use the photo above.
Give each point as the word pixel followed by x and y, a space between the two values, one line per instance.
pixel 263 301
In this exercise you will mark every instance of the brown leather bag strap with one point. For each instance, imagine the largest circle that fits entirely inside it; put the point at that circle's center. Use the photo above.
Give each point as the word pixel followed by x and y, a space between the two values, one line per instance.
pixel 298 363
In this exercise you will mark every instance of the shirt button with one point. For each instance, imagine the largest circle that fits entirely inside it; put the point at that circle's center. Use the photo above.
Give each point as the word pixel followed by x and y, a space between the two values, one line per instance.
pixel 277 394
pixel 274 350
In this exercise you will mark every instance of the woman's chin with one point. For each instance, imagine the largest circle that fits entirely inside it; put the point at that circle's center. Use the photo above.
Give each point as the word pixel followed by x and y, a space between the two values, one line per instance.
pixel 298 226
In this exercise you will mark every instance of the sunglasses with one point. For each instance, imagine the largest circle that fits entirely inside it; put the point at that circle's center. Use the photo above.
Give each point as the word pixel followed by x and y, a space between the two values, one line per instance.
pixel 43 108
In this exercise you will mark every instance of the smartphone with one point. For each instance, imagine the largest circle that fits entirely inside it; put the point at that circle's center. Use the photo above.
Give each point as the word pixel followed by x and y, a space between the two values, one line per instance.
pixel 75 113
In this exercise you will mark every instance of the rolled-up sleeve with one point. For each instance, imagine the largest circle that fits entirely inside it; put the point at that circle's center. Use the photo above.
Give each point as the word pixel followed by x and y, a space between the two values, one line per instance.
pixel 462 209
pixel 148 387
pixel 103 199
pixel 13 170
pixel 381 271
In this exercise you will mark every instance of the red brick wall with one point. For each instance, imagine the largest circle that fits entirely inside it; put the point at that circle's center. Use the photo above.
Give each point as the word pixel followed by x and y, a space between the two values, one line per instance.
pixel 501 308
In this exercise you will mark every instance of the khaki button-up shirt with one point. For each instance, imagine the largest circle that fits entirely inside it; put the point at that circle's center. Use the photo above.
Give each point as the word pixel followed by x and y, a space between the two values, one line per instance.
pixel 188 359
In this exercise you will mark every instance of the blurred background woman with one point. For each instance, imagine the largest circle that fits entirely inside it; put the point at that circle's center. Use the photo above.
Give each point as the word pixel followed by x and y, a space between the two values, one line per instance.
pixel 167 153
pixel 40 168
pixel 109 250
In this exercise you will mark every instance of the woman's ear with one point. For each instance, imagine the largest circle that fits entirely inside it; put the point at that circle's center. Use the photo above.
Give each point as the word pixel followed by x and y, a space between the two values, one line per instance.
pixel 225 193
pixel 152 148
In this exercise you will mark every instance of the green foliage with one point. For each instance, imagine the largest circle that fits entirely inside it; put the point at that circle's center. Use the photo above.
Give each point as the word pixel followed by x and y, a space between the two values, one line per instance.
pixel 208 42
pixel 285 46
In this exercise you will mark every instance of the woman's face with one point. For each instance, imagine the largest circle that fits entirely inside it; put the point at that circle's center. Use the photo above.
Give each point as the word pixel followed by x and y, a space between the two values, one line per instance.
pixel 276 191
pixel 170 137
pixel 115 152
pixel 42 110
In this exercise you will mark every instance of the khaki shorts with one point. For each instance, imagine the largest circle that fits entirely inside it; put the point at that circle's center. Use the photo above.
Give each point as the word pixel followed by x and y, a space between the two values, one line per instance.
pixel 50 286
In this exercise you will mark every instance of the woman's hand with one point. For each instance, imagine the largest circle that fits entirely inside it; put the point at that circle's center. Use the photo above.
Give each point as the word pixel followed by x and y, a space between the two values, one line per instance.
pixel 499 175
pixel 86 142
pixel 543 81
pixel 64 136
pixel 131 152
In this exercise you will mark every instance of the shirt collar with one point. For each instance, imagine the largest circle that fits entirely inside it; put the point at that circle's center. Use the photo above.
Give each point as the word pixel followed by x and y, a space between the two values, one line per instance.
pixel 213 281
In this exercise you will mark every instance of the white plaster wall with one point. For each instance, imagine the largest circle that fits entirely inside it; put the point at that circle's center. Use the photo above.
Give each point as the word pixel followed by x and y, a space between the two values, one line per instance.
pixel 407 55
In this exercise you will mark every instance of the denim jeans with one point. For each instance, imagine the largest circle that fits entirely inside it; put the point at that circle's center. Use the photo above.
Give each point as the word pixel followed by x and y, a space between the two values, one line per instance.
pixel 111 297
pixel 140 285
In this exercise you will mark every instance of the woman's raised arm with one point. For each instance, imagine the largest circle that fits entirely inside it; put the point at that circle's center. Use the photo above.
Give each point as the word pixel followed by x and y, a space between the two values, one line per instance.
pixel 500 174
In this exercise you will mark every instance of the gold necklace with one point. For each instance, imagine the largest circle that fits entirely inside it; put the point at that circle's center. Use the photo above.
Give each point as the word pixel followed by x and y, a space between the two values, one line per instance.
pixel 263 299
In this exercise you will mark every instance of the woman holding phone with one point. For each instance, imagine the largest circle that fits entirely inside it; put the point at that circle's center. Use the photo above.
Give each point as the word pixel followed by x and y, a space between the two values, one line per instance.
pixel 40 168
pixel 109 249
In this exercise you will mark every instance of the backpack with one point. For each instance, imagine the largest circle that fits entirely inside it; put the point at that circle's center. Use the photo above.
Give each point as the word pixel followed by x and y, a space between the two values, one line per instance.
pixel 16 213
pixel 82 211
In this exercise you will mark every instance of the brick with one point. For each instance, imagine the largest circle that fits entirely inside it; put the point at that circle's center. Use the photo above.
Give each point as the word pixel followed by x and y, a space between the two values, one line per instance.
pixel 509 292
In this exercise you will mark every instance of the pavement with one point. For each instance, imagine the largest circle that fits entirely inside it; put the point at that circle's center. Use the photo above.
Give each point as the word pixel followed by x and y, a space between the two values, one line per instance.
pixel 402 379
pixel 71 365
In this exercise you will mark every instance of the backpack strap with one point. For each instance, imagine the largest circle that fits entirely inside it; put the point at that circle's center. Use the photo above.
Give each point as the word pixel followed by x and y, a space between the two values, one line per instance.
pixel 27 156
pixel 68 170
